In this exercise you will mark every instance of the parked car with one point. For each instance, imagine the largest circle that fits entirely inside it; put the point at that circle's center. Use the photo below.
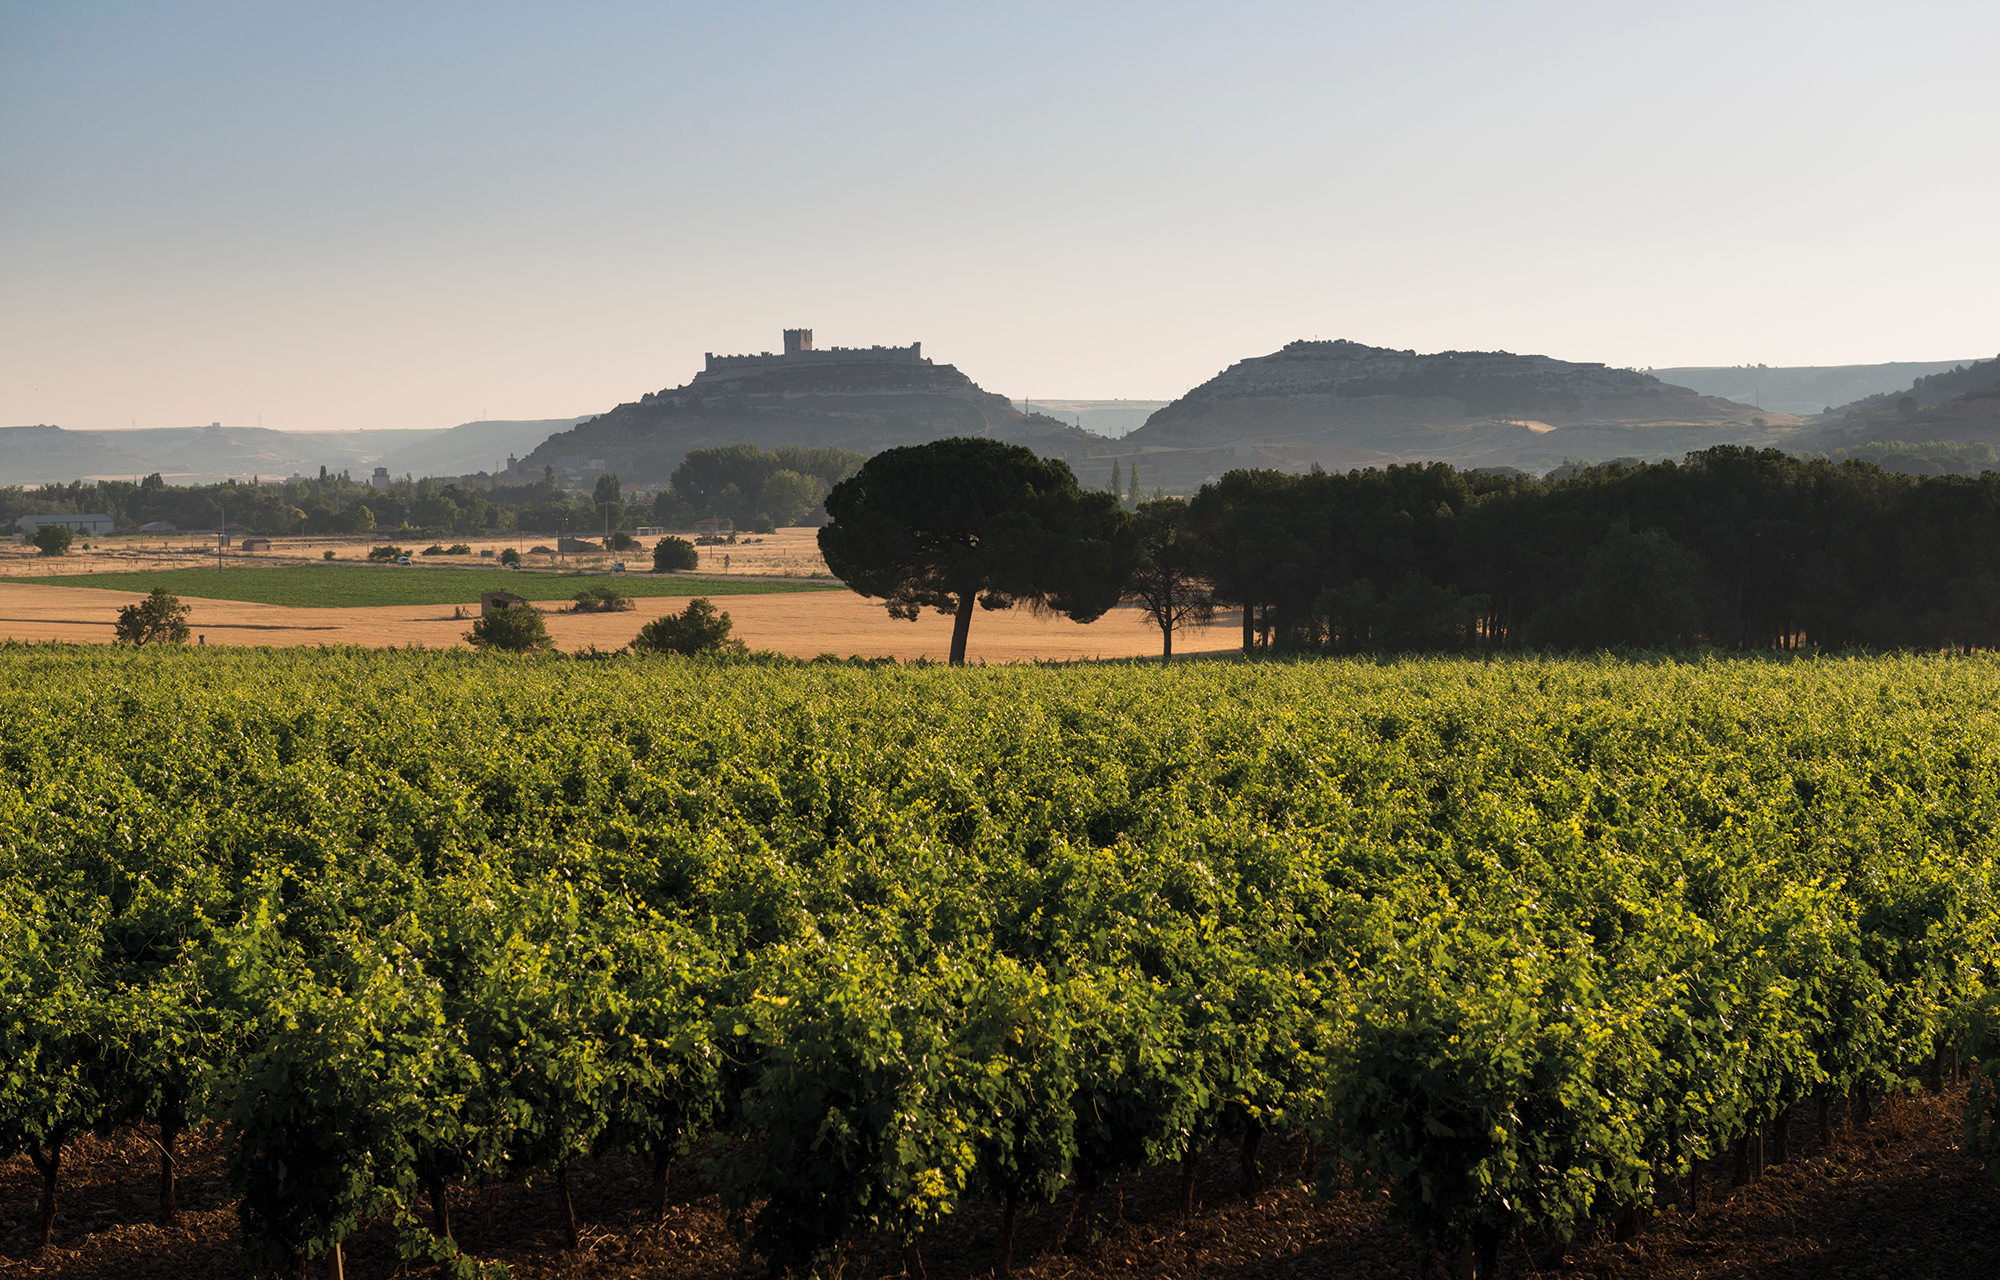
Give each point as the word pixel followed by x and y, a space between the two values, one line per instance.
pixel 402 559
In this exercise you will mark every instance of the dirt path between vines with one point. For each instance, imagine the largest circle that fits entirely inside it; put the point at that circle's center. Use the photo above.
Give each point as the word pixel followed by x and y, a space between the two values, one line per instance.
pixel 803 624
pixel 1897 1199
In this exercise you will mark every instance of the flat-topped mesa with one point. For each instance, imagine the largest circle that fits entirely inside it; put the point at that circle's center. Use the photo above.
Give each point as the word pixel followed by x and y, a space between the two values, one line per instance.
pixel 799 353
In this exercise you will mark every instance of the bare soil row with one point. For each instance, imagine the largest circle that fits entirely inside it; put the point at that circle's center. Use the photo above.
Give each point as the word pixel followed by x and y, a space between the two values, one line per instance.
pixel 1897 1198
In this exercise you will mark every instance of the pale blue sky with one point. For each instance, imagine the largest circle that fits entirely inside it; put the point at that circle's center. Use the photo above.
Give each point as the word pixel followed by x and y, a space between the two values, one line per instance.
pixel 407 215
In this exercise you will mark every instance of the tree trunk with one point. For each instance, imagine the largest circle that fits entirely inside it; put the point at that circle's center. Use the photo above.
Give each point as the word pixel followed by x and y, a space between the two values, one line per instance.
pixel 568 1208
pixel 961 627
pixel 1742 1178
pixel 913 1261
pixel 1757 1153
pixel 1861 1110
pixel 1781 1137
pixel 440 1205
pixel 1694 1185
pixel 1253 1179
pixel 1190 1164
pixel 51 1170
pixel 336 1265
pixel 1079 1215
pixel 1825 1121
pixel 170 1132
pixel 1309 1160
pixel 1249 626
pixel 1007 1236
pixel 661 1163
pixel 1167 650
pixel 1478 1259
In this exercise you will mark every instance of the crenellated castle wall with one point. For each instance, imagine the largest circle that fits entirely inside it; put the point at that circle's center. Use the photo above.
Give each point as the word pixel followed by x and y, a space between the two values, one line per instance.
pixel 800 353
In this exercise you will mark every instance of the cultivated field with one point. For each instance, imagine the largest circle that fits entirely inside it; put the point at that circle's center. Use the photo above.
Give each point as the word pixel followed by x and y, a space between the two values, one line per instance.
pixel 787 553
pixel 352 586
pixel 800 622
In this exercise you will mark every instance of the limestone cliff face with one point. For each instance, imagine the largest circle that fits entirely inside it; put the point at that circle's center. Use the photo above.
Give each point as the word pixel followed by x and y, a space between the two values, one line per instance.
pixel 855 405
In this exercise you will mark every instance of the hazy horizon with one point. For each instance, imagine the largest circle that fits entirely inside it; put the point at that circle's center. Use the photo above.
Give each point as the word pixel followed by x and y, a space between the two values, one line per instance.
pixel 375 217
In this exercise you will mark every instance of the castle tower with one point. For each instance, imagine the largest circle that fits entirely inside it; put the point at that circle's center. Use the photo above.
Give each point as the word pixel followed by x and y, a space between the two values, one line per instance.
pixel 797 340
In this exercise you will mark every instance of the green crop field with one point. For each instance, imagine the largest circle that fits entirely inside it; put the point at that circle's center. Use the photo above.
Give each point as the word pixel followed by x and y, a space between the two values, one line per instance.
pixel 338 586
pixel 1517 942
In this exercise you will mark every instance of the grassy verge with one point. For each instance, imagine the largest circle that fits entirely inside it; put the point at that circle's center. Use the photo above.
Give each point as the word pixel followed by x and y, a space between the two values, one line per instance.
pixel 337 586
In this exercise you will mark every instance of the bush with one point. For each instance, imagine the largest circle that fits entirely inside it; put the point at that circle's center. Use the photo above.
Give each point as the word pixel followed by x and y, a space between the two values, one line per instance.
pixel 458 549
pixel 52 539
pixel 432 550
pixel 510 556
pixel 697 629
pixel 158 619
pixel 386 553
pixel 600 600
pixel 671 553
pixel 326 555
pixel 763 524
pixel 623 541
pixel 516 630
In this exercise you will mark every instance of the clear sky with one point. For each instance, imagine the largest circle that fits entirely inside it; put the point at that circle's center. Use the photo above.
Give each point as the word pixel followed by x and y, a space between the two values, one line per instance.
pixel 410 214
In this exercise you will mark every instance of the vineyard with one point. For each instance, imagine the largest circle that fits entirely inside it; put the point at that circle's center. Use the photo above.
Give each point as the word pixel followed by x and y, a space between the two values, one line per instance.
pixel 1523 943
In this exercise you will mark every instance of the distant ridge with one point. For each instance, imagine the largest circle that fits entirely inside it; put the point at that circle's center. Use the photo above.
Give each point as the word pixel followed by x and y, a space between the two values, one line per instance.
pixel 1344 404
pixel 187 455
pixel 1802 389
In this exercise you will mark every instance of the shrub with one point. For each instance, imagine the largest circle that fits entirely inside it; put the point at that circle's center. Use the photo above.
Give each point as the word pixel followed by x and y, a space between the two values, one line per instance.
pixel 432 550
pixel 52 539
pixel 600 600
pixel 623 541
pixel 386 552
pixel 763 524
pixel 670 554
pixel 326 555
pixel 516 630
pixel 458 549
pixel 158 619
pixel 510 556
pixel 697 629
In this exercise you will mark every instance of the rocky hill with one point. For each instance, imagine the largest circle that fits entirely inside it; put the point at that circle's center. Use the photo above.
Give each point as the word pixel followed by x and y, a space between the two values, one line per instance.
pixel 851 403
pixel 1345 404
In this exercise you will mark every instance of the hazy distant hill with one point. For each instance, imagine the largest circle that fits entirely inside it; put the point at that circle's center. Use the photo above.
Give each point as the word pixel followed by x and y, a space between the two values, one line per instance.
pixel 857 400
pixel 1111 418
pixel 1802 389
pixel 1345 404
pixel 472 447
pixel 188 455
pixel 45 455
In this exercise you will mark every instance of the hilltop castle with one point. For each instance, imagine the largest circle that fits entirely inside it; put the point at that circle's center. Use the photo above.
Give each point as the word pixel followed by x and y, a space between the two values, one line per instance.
pixel 799 352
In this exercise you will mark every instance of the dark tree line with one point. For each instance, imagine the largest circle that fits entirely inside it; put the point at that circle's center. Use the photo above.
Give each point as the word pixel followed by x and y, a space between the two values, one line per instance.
pixel 1732 547
pixel 328 504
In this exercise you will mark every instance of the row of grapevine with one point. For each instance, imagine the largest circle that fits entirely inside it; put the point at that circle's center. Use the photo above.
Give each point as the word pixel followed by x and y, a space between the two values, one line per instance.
pixel 1518 941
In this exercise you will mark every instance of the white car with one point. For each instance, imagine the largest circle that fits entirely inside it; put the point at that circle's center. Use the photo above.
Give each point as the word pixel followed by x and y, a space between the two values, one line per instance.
pixel 402 559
